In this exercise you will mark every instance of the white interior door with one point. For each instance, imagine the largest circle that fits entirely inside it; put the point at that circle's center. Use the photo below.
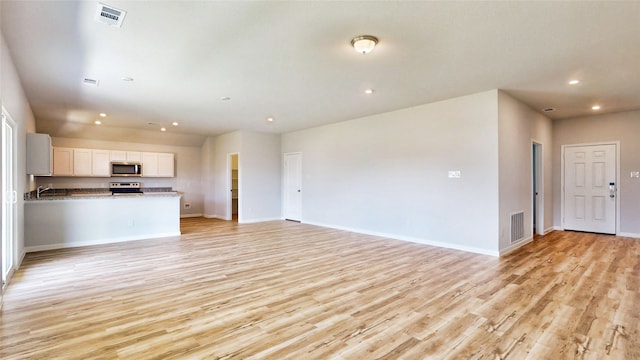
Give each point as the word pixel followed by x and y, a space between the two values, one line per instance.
pixel 9 196
pixel 590 188
pixel 293 186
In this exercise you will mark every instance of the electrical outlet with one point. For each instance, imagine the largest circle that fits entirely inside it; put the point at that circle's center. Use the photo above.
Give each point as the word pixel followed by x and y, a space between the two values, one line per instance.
pixel 454 174
pixel 635 174
pixel 187 205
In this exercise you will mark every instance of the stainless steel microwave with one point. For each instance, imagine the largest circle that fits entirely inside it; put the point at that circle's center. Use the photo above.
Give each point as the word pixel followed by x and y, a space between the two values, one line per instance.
pixel 126 169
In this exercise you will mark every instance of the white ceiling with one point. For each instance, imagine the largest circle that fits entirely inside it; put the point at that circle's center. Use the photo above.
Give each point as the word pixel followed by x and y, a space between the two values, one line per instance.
pixel 293 61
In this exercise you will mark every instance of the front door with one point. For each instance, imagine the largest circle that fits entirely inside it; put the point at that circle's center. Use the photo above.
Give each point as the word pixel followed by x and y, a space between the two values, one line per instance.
pixel 590 188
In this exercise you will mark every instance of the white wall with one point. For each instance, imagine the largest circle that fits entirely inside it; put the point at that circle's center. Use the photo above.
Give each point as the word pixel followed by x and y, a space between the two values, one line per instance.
pixel 223 146
pixel 518 127
pixel 387 174
pixel 623 127
pixel 188 165
pixel 259 175
pixel 208 175
pixel 14 100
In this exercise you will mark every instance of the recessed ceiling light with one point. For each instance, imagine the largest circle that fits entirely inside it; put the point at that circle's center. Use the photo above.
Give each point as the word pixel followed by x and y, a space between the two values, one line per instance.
pixel 270 119
pixel 368 91
pixel 574 82
pixel 126 78
pixel 175 123
pixel 163 129
pixel 98 122
pixel 225 98
pixel 549 109
pixel 595 107
pixel 103 115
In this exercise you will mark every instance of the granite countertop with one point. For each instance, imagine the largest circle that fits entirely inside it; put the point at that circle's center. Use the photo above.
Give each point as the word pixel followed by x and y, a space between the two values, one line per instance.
pixel 100 193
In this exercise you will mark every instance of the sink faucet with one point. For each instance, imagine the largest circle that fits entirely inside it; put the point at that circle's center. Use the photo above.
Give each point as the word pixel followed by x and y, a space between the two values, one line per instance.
pixel 40 190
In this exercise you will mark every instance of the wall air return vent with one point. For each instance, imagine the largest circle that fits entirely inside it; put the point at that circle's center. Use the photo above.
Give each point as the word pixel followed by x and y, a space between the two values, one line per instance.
pixel 92 82
pixel 110 15
pixel 517 226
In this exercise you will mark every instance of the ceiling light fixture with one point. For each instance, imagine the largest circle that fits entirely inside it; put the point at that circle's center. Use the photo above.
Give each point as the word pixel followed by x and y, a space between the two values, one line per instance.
pixel 175 123
pixel 225 98
pixel 270 119
pixel 126 78
pixel 574 82
pixel 102 115
pixel 595 107
pixel 163 129
pixel 549 109
pixel 368 91
pixel 364 44
pixel 98 122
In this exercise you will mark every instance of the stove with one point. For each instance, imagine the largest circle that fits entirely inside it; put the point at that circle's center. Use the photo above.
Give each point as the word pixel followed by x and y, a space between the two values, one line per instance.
pixel 125 188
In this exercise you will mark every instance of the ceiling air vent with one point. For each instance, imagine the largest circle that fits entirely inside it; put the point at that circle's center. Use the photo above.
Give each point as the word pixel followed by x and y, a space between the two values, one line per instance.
pixel 92 82
pixel 110 15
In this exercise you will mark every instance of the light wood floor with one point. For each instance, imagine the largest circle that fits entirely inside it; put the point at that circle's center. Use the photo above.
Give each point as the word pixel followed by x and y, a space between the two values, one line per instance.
pixel 283 290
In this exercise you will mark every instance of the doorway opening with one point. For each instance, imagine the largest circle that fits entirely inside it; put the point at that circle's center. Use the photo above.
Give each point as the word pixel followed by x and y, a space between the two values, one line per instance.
pixel 8 196
pixel 537 191
pixel 234 186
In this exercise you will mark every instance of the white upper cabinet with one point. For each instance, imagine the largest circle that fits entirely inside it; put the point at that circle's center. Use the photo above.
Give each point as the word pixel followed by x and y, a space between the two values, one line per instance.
pixel 101 163
pixel 39 154
pixel 82 162
pixel 97 163
pixel 157 164
pixel 166 165
pixel 62 161
pixel 126 156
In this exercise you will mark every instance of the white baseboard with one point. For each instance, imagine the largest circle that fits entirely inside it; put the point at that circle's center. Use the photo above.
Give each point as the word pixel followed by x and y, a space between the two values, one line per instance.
pixel 190 215
pixel 410 239
pixel 558 228
pixel 513 247
pixel 250 221
pixel 548 230
pixel 209 216
pixel 96 242
pixel 631 235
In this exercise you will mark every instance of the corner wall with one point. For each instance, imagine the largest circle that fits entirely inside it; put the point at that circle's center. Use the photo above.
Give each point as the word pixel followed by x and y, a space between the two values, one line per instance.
pixel 387 174
pixel 259 175
pixel 14 100
pixel 623 127
pixel 518 127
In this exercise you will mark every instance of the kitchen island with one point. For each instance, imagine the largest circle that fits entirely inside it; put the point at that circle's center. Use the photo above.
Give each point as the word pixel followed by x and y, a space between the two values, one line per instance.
pixel 53 222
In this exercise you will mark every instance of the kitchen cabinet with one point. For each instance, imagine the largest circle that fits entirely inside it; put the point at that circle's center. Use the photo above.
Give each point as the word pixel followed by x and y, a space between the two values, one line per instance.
pixel 126 156
pixel 39 154
pixel 157 164
pixel 62 161
pixel 97 163
pixel 82 162
pixel 101 163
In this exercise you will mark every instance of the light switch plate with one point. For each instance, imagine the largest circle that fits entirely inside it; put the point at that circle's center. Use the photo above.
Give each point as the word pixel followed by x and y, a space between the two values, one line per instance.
pixel 455 174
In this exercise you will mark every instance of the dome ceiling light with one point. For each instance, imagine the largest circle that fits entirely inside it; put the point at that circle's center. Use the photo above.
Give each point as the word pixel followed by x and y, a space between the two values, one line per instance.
pixel 364 44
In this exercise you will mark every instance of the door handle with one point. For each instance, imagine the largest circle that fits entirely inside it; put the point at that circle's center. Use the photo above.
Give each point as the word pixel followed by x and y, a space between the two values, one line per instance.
pixel 612 190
